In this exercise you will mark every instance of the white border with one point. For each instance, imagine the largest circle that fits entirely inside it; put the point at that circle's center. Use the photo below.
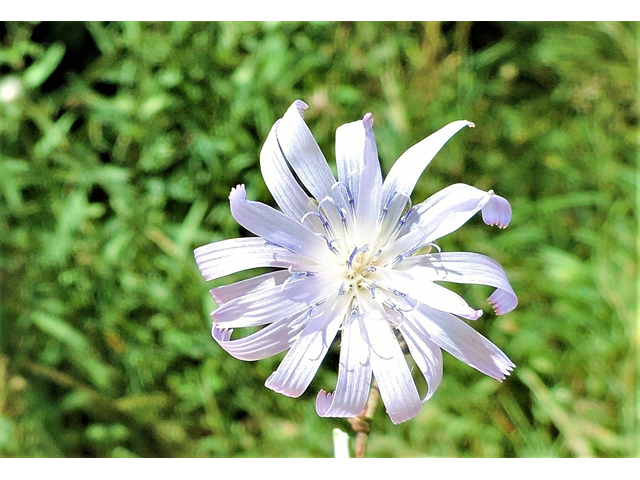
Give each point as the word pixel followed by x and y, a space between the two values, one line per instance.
pixel 326 10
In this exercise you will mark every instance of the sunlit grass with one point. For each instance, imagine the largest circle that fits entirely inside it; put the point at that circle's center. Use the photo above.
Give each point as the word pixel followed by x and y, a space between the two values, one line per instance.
pixel 117 160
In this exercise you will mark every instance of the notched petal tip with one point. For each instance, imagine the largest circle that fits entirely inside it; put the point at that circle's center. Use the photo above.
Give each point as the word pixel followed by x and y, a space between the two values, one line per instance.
pixel 497 211
pixel 220 334
pixel 323 402
pixel 470 124
pixel 506 371
pixel 238 192
pixel 503 301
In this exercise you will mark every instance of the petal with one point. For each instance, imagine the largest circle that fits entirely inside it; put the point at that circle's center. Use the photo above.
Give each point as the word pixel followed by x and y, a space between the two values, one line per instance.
pixel 218 259
pixel 447 210
pixel 397 388
pixel 405 172
pixel 414 284
pixel 286 191
pixel 460 340
pixel 271 340
pixel 276 227
pixel 270 304
pixel 469 268
pixel 390 212
pixel 354 375
pixel 426 354
pixel 300 364
pixel 226 293
pixel 359 169
pixel 497 212
pixel 370 190
pixel 303 153
pixel 439 215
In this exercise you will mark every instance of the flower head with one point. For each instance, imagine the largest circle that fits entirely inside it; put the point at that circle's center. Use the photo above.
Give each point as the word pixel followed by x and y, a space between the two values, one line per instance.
pixel 351 259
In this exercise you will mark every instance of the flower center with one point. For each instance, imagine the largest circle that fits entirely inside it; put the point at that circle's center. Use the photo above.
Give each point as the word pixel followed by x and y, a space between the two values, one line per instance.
pixel 359 265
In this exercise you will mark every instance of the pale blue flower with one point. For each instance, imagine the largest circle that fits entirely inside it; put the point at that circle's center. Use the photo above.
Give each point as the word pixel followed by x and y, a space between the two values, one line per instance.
pixel 351 261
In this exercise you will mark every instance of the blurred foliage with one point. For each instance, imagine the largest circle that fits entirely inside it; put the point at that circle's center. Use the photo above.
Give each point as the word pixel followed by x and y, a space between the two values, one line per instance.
pixel 119 143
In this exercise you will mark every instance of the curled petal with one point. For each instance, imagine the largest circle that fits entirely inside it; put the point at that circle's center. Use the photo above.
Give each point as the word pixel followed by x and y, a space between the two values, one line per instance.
pixel 439 215
pixel 447 210
pixel 469 268
pixel 277 228
pixel 503 301
pixel 497 212
pixel 354 375
pixel 222 258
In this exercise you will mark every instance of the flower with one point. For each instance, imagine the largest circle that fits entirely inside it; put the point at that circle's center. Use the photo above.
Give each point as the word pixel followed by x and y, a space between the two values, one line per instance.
pixel 350 260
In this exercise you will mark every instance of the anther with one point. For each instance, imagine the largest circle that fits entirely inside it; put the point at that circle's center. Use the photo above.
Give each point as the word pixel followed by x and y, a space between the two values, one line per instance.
pixel 355 252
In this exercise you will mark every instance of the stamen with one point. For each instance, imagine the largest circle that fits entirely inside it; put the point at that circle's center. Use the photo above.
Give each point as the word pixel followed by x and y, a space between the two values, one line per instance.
pixel 341 211
pixel 341 292
pixel 372 289
pixel 293 276
pixel 324 221
pixel 422 245
pixel 418 246
pixel 350 198
pixel 387 204
pixel 317 214
pixel 355 252
pixel 396 261
pixel 405 216
pixel 398 293
pixel 391 216
pixel 268 242
pixel 330 244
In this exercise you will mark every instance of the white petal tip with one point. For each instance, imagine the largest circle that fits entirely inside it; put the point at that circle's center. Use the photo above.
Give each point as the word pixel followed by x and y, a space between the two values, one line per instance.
pixel 506 372
pixel 400 417
pixel 300 106
pixel 368 120
pixel 323 402
pixel 476 315
pixel 470 124
pixel 274 385
pixel 238 192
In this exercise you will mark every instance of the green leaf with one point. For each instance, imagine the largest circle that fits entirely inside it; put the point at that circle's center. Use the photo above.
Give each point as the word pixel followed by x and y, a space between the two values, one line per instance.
pixel 39 72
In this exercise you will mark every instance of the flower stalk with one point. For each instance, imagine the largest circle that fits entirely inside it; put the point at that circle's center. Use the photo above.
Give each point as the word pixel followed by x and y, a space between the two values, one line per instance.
pixel 362 423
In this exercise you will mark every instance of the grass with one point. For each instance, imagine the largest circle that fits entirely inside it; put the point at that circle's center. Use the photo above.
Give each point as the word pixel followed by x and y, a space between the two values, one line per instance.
pixel 118 157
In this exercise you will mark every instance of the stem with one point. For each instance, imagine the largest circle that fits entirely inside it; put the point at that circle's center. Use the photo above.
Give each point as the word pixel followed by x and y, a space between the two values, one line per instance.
pixel 362 423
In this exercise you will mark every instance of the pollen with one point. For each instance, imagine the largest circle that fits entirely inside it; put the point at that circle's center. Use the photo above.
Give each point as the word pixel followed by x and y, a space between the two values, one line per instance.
pixel 358 267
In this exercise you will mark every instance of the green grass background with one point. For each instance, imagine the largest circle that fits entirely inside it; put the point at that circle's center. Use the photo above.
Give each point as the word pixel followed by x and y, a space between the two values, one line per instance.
pixel 117 160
